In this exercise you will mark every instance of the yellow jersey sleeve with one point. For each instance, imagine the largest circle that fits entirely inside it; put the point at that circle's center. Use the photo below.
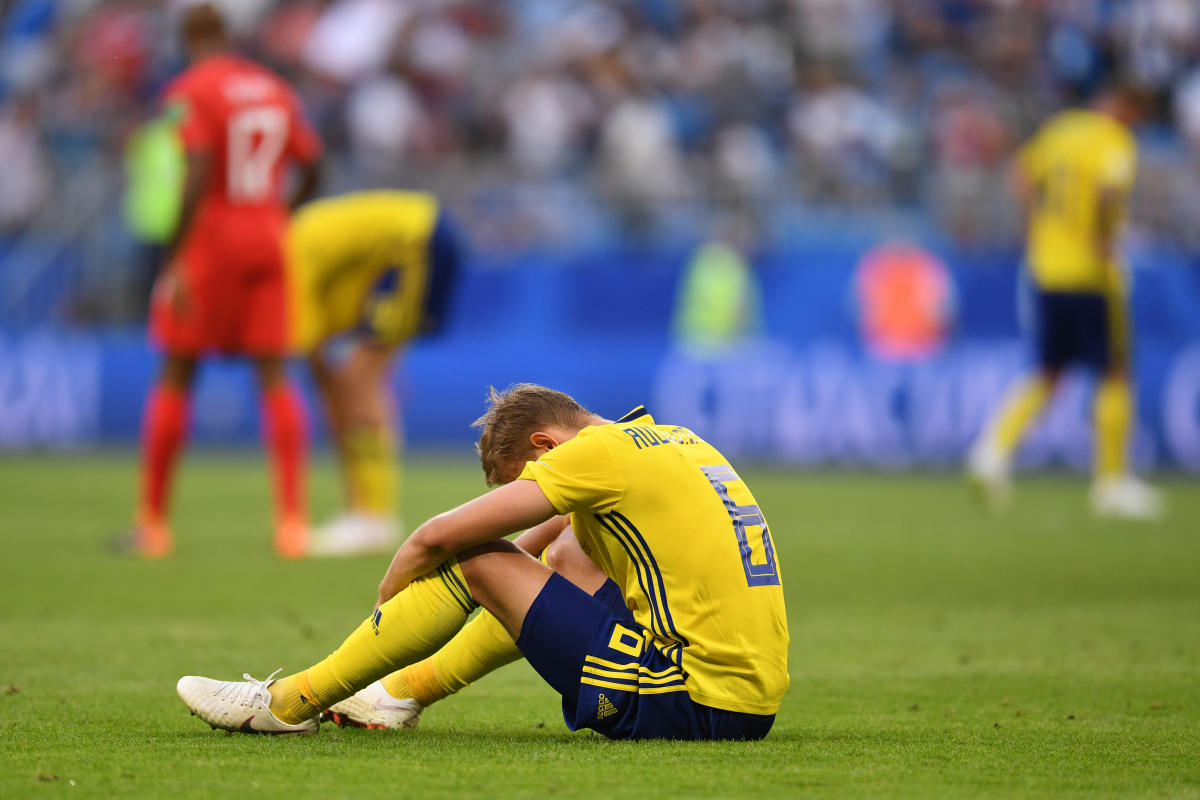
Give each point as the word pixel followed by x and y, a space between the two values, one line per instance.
pixel 1029 159
pixel 580 475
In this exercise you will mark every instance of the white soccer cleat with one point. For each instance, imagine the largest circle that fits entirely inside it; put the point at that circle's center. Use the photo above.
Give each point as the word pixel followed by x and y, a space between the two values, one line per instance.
pixel 989 472
pixel 374 708
pixel 242 706
pixel 1126 497
pixel 355 534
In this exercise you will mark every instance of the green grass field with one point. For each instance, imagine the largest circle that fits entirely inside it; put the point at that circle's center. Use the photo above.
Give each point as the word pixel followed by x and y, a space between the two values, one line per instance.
pixel 935 651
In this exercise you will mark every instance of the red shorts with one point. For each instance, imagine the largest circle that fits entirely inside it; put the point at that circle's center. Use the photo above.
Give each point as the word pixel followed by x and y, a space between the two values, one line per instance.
pixel 235 300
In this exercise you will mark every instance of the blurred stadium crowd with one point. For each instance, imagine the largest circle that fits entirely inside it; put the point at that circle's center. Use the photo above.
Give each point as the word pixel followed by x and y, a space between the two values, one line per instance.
pixel 568 123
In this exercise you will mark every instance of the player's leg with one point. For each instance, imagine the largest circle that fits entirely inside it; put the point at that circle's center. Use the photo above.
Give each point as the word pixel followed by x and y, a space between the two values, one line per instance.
pixel 481 647
pixel 1021 407
pixel 285 429
pixel 182 325
pixel 335 416
pixel 989 464
pixel 1115 491
pixel 258 312
pixel 361 397
pixel 558 627
pixel 414 624
pixel 164 432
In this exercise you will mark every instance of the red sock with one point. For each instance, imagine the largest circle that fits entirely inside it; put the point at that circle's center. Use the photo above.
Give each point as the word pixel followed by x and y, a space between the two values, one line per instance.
pixel 286 431
pixel 164 430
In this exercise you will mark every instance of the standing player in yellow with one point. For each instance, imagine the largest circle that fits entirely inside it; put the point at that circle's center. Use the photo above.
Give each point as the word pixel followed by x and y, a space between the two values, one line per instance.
pixel 686 638
pixel 367 273
pixel 1074 179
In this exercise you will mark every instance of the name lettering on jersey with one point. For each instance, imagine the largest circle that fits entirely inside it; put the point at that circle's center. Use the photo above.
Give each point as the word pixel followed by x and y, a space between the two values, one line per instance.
pixel 248 88
pixel 645 436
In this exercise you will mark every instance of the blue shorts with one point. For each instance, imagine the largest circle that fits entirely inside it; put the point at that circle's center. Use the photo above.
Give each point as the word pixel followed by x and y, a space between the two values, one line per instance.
pixel 1079 328
pixel 589 648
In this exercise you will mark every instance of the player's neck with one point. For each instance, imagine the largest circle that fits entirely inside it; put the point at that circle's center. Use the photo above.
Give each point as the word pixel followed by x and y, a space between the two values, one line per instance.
pixel 205 51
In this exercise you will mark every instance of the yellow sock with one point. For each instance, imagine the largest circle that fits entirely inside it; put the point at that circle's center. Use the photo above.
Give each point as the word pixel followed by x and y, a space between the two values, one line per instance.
pixel 1021 407
pixel 407 628
pixel 372 470
pixel 483 645
pixel 1114 417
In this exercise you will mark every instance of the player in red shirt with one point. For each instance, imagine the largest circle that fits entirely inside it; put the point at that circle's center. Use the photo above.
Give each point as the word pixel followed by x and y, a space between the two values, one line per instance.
pixel 222 290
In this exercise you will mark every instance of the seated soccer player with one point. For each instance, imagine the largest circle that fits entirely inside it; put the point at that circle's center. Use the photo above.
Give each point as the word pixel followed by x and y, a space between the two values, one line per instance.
pixel 368 272
pixel 685 638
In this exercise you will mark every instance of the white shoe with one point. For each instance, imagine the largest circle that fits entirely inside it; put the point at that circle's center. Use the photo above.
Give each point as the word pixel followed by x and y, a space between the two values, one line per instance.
pixel 355 534
pixel 989 472
pixel 374 708
pixel 1126 497
pixel 243 706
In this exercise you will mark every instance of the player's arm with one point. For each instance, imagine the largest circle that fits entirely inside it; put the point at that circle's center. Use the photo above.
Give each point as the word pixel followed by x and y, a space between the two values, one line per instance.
pixel 306 149
pixel 306 183
pixel 196 176
pixel 539 537
pixel 1114 186
pixel 1023 187
pixel 511 508
pixel 1108 221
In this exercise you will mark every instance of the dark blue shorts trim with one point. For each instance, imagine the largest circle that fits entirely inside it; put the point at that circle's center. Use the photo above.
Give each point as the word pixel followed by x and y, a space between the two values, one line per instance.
pixel 591 651
pixel 445 264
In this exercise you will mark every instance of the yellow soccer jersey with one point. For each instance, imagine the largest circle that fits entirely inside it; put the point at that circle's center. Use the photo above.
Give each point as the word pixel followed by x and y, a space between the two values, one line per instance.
pixel 666 517
pixel 1073 161
pixel 339 248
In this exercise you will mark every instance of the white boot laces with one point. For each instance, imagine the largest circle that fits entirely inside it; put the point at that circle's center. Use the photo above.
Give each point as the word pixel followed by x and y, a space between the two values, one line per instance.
pixel 250 691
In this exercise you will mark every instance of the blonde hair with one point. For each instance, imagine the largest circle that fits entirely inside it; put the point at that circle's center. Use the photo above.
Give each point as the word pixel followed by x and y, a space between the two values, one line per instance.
pixel 513 415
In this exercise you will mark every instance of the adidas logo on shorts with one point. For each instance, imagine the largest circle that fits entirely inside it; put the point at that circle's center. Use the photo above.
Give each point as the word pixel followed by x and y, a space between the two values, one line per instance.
pixel 606 708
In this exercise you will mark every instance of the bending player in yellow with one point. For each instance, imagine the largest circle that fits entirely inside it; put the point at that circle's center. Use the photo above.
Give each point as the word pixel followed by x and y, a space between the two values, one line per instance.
pixel 1074 179
pixel 368 272
pixel 685 637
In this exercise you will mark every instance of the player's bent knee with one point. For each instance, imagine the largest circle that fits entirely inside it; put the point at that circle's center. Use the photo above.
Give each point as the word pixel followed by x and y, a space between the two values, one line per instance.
pixel 178 371
pixel 503 579
pixel 271 371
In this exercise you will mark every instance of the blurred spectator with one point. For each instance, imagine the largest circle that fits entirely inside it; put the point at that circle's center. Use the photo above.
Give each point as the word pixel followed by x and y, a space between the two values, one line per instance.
pixel 850 144
pixel 27 178
pixel 718 303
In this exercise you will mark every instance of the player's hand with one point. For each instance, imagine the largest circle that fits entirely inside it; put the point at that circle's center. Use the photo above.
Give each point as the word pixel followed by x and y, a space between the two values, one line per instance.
pixel 172 287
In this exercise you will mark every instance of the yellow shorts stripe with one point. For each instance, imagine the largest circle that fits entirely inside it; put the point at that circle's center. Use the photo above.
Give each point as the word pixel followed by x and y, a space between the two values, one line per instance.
pixel 627 688
pixel 631 665
pixel 661 689
pixel 644 678
pixel 611 664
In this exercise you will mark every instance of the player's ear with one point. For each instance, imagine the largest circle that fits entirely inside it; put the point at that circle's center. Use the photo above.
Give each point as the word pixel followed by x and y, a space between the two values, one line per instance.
pixel 541 439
